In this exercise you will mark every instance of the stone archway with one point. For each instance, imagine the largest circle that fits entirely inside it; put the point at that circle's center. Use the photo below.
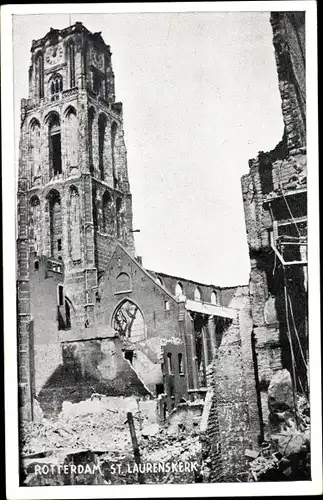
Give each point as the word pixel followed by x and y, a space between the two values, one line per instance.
pixel 129 322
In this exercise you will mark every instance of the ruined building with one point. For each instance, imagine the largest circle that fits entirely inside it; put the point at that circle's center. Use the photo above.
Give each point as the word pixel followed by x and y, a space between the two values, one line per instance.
pixel 91 319
pixel 275 205
pixel 272 333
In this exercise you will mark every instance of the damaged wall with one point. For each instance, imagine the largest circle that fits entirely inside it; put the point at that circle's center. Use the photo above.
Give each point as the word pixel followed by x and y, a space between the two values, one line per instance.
pixel 92 366
pixel 275 206
pixel 231 422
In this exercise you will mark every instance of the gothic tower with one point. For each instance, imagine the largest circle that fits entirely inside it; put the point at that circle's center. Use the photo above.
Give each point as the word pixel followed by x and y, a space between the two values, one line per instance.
pixel 74 201
pixel 73 159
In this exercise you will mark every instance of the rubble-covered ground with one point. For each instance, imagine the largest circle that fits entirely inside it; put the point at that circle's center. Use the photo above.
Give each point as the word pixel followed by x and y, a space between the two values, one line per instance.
pixel 101 425
pixel 286 452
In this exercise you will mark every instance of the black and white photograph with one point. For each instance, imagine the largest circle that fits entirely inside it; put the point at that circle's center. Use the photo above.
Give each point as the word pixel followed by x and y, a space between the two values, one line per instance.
pixel 161 256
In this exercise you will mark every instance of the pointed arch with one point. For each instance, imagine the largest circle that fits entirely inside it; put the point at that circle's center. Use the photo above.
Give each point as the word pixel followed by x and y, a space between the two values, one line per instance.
pixel 179 289
pixel 34 224
pixel 197 294
pixel 159 281
pixel 34 148
pixel 214 297
pixel 71 127
pixel 39 75
pixel 74 225
pixel 128 320
pixel 53 199
pixel 54 144
pixel 123 283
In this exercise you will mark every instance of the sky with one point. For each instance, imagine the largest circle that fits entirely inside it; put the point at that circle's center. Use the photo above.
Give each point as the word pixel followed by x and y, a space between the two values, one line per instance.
pixel 200 98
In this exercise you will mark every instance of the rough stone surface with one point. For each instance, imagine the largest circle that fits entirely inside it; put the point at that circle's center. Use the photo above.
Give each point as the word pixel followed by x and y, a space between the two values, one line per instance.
pixel 280 392
pixel 275 205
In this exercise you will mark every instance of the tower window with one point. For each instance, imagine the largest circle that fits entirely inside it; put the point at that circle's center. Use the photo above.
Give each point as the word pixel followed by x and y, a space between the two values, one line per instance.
pixel 40 76
pixel 59 244
pixel 180 363
pixel 169 363
pixel 166 305
pixel 60 295
pixel 56 87
pixel 55 153
pixel 36 265
pixel 71 62
pixel 55 222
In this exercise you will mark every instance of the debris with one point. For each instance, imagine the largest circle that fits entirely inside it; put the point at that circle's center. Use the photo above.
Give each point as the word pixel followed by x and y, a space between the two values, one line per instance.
pixel 280 392
pixel 251 453
pixel 150 430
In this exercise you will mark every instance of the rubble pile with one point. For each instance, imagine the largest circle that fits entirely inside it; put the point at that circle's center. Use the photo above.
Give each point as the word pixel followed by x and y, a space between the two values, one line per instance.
pixel 101 426
pixel 285 456
pixel 92 424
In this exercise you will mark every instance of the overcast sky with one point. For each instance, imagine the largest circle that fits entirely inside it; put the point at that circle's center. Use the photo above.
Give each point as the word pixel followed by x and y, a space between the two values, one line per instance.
pixel 200 98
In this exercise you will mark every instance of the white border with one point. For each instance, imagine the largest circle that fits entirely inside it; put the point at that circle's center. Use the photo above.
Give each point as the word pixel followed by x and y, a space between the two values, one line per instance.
pixel 9 268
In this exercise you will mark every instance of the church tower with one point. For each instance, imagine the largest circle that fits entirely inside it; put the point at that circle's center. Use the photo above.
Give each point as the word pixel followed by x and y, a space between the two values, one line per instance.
pixel 74 200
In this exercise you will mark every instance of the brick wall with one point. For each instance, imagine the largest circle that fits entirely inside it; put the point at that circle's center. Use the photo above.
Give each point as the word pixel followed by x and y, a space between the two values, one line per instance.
pixel 275 188
pixel 232 421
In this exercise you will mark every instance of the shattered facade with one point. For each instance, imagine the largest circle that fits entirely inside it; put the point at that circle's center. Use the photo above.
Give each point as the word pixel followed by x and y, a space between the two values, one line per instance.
pixel 275 204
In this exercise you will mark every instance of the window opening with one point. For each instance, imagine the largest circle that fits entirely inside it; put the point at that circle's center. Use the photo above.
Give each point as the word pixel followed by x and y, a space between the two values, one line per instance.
pixel 178 289
pixel 180 363
pixel 169 363
pixel 60 295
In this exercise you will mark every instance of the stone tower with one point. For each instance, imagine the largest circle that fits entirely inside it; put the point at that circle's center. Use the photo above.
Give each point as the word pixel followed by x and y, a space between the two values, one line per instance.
pixel 73 166
pixel 74 201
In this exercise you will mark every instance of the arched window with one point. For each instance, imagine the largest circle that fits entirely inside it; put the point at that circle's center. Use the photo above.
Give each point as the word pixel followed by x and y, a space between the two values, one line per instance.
pixel 35 224
pixel 39 73
pixel 107 213
pixel 128 321
pixel 102 130
pixel 214 297
pixel 55 153
pixel 55 224
pixel 178 289
pixel 72 139
pixel 56 86
pixel 123 283
pixel 74 225
pixel 71 63
pixel 114 128
pixel 197 294
pixel 34 148
pixel 159 281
